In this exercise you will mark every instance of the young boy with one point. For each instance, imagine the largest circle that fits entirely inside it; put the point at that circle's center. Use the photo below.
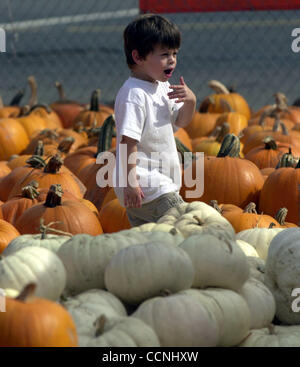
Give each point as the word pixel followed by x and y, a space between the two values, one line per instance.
pixel 147 112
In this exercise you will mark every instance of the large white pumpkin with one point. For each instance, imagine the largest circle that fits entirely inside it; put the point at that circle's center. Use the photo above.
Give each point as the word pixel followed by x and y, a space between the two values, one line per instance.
pixel 34 265
pixel 140 272
pixel 85 257
pixel 179 321
pixel 51 242
pixel 218 262
pixel 229 308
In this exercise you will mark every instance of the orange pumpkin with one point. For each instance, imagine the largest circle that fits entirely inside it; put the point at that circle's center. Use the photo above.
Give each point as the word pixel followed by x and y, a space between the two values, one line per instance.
pixel 36 322
pixel 69 216
pixel 113 217
pixel 7 233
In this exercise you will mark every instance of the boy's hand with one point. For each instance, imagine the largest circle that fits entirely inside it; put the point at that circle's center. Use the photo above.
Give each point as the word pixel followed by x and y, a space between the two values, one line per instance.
pixel 182 92
pixel 133 197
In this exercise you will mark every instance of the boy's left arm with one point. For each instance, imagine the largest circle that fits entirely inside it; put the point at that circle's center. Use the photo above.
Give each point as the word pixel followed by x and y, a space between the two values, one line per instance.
pixel 182 93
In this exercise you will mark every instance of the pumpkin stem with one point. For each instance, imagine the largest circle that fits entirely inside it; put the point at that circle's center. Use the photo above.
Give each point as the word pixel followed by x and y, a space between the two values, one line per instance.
pixel 1 102
pixel 47 228
pixel 281 102
pixel 54 196
pixel 173 231
pixel 30 191
pixel 250 208
pixel 270 143
pixel 17 98
pixel 272 225
pixel 105 134
pixel 39 149
pixel 214 204
pixel 36 161
pixel 226 107
pixel 181 149
pixel 61 92
pixel 218 87
pixel 33 88
pixel 298 164
pixel 165 292
pixel 203 108
pixel 281 216
pixel 271 329
pixel 230 146
pixel 79 127
pixel 99 325
pixel 286 160
pixel 95 100
pixel 66 144
pixel 54 164
pixel 199 221
pixel 27 292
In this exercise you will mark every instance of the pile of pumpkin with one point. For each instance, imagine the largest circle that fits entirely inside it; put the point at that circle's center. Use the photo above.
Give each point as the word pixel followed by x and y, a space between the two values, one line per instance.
pixel 219 270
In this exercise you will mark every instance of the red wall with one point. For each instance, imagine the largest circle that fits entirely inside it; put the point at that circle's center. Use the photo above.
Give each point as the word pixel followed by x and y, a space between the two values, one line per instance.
pixel 177 6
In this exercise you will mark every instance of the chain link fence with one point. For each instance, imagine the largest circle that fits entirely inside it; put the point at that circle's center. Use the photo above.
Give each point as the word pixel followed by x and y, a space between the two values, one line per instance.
pixel 79 43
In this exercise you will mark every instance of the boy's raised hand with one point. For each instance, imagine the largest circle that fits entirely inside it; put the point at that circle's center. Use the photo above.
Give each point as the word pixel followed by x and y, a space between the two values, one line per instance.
pixel 133 197
pixel 182 92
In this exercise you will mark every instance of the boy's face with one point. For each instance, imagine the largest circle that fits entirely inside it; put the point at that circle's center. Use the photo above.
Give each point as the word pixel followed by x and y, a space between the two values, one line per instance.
pixel 158 65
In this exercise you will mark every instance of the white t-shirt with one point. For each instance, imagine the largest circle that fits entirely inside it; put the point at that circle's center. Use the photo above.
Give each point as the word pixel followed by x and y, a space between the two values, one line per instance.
pixel 144 112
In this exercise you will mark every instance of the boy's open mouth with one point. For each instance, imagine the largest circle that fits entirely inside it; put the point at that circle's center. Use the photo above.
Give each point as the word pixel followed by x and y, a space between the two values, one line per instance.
pixel 168 72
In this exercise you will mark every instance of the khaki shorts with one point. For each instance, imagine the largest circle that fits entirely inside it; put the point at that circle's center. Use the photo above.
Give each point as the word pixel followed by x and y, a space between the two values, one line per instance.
pixel 152 211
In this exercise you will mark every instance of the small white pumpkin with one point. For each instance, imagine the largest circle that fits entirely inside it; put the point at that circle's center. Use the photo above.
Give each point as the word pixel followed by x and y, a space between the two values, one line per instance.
pixel 120 332
pixel 282 275
pixel 86 307
pixel 259 238
pixel 273 336
pixel 260 301
pixel 179 320
pixel 143 271
pixel 218 262
pixel 198 218
pixel 34 265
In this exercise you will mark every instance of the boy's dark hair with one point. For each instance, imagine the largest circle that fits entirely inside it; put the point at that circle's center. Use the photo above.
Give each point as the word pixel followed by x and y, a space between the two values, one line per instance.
pixel 147 31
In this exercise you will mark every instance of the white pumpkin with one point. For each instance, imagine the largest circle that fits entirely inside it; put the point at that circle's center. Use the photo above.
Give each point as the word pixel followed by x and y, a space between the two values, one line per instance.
pixel 260 301
pixel 229 308
pixel 120 332
pixel 282 275
pixel 51 242
pixel 85 257
pixel 273 336
pixel 86 307
pixel 143 271
pixel 217 262
pixel 247 248
pixel 259 238
pixel 34 265
pixel 179 321
pixel 198 218
pixel 257 268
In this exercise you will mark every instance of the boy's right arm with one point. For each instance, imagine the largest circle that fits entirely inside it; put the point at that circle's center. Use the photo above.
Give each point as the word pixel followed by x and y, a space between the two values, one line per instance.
pixel 133 194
